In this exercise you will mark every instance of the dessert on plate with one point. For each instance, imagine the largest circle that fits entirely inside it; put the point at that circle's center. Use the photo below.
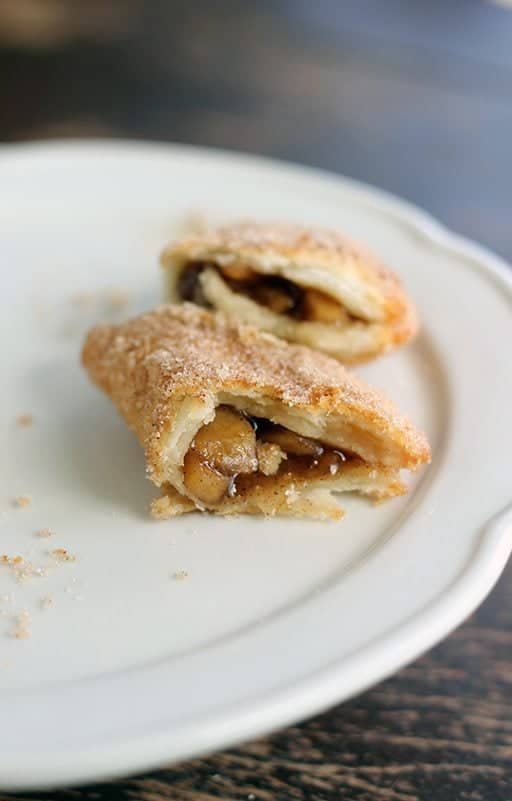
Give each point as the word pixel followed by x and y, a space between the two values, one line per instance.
pixel 309 286
pixel 234 420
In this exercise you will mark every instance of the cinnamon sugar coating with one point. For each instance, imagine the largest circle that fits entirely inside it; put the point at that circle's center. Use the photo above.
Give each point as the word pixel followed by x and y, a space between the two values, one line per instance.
pixel 154 365
pixel 312 257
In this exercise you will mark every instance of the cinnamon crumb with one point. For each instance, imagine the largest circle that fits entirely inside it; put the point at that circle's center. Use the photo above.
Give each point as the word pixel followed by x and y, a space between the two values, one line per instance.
pixel 22 626
pixel 11 560
pixel 21 568
pixel 22 501
pixel 45 532
pixel 24 420
pixel 62 555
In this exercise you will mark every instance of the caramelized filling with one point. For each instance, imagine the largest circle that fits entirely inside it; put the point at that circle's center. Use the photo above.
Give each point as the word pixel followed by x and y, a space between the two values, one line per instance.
pixel 273 292
pixel 234 452
pixel 189 285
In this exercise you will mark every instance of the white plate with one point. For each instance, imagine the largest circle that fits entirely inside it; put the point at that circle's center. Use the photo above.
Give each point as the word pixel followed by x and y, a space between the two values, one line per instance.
pixel 276 619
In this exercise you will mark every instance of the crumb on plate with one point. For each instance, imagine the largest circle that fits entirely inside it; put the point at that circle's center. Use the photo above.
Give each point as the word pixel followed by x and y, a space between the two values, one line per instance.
pixel 62 555
pixel 22 629
pixel 47 602
pixel 22 501
pixel 45 532
pixel 21 568
pixel 24 420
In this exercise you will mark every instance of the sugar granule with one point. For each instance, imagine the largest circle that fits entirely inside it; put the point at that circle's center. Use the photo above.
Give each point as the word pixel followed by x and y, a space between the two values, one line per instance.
pixel 180 575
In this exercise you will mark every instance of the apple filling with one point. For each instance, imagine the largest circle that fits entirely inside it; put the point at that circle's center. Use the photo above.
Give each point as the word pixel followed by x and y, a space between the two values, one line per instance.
pixel 233 453
pixel 273 292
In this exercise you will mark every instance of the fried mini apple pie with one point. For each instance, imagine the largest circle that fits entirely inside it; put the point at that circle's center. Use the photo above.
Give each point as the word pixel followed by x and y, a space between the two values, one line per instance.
pixel 234 420
pixel 309 286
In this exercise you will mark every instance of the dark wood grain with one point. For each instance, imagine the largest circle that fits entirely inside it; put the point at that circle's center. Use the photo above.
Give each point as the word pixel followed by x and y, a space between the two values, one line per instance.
pixel 414 97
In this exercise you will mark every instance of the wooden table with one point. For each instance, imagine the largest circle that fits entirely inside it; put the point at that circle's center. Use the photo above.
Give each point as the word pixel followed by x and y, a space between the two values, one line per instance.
pixel 413 97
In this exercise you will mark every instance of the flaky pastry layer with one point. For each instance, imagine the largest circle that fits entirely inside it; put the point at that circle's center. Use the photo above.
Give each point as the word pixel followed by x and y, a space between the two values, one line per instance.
pixel 384 316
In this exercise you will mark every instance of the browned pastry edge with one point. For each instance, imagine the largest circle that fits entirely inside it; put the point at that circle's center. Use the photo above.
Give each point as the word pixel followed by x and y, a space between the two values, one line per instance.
pixel 264 243
pixel 150 365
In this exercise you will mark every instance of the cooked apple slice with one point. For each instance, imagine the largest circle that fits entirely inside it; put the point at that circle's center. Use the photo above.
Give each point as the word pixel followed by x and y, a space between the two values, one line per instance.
pixel 228 443
pixel 202 481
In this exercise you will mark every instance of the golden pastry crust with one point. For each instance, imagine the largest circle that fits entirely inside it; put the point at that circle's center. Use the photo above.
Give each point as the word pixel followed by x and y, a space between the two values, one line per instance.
pixel 168 370
pixel 312 258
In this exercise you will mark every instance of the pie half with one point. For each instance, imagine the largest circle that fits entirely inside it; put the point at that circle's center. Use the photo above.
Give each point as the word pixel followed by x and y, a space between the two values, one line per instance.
pixel 309 286
pixel 233 420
